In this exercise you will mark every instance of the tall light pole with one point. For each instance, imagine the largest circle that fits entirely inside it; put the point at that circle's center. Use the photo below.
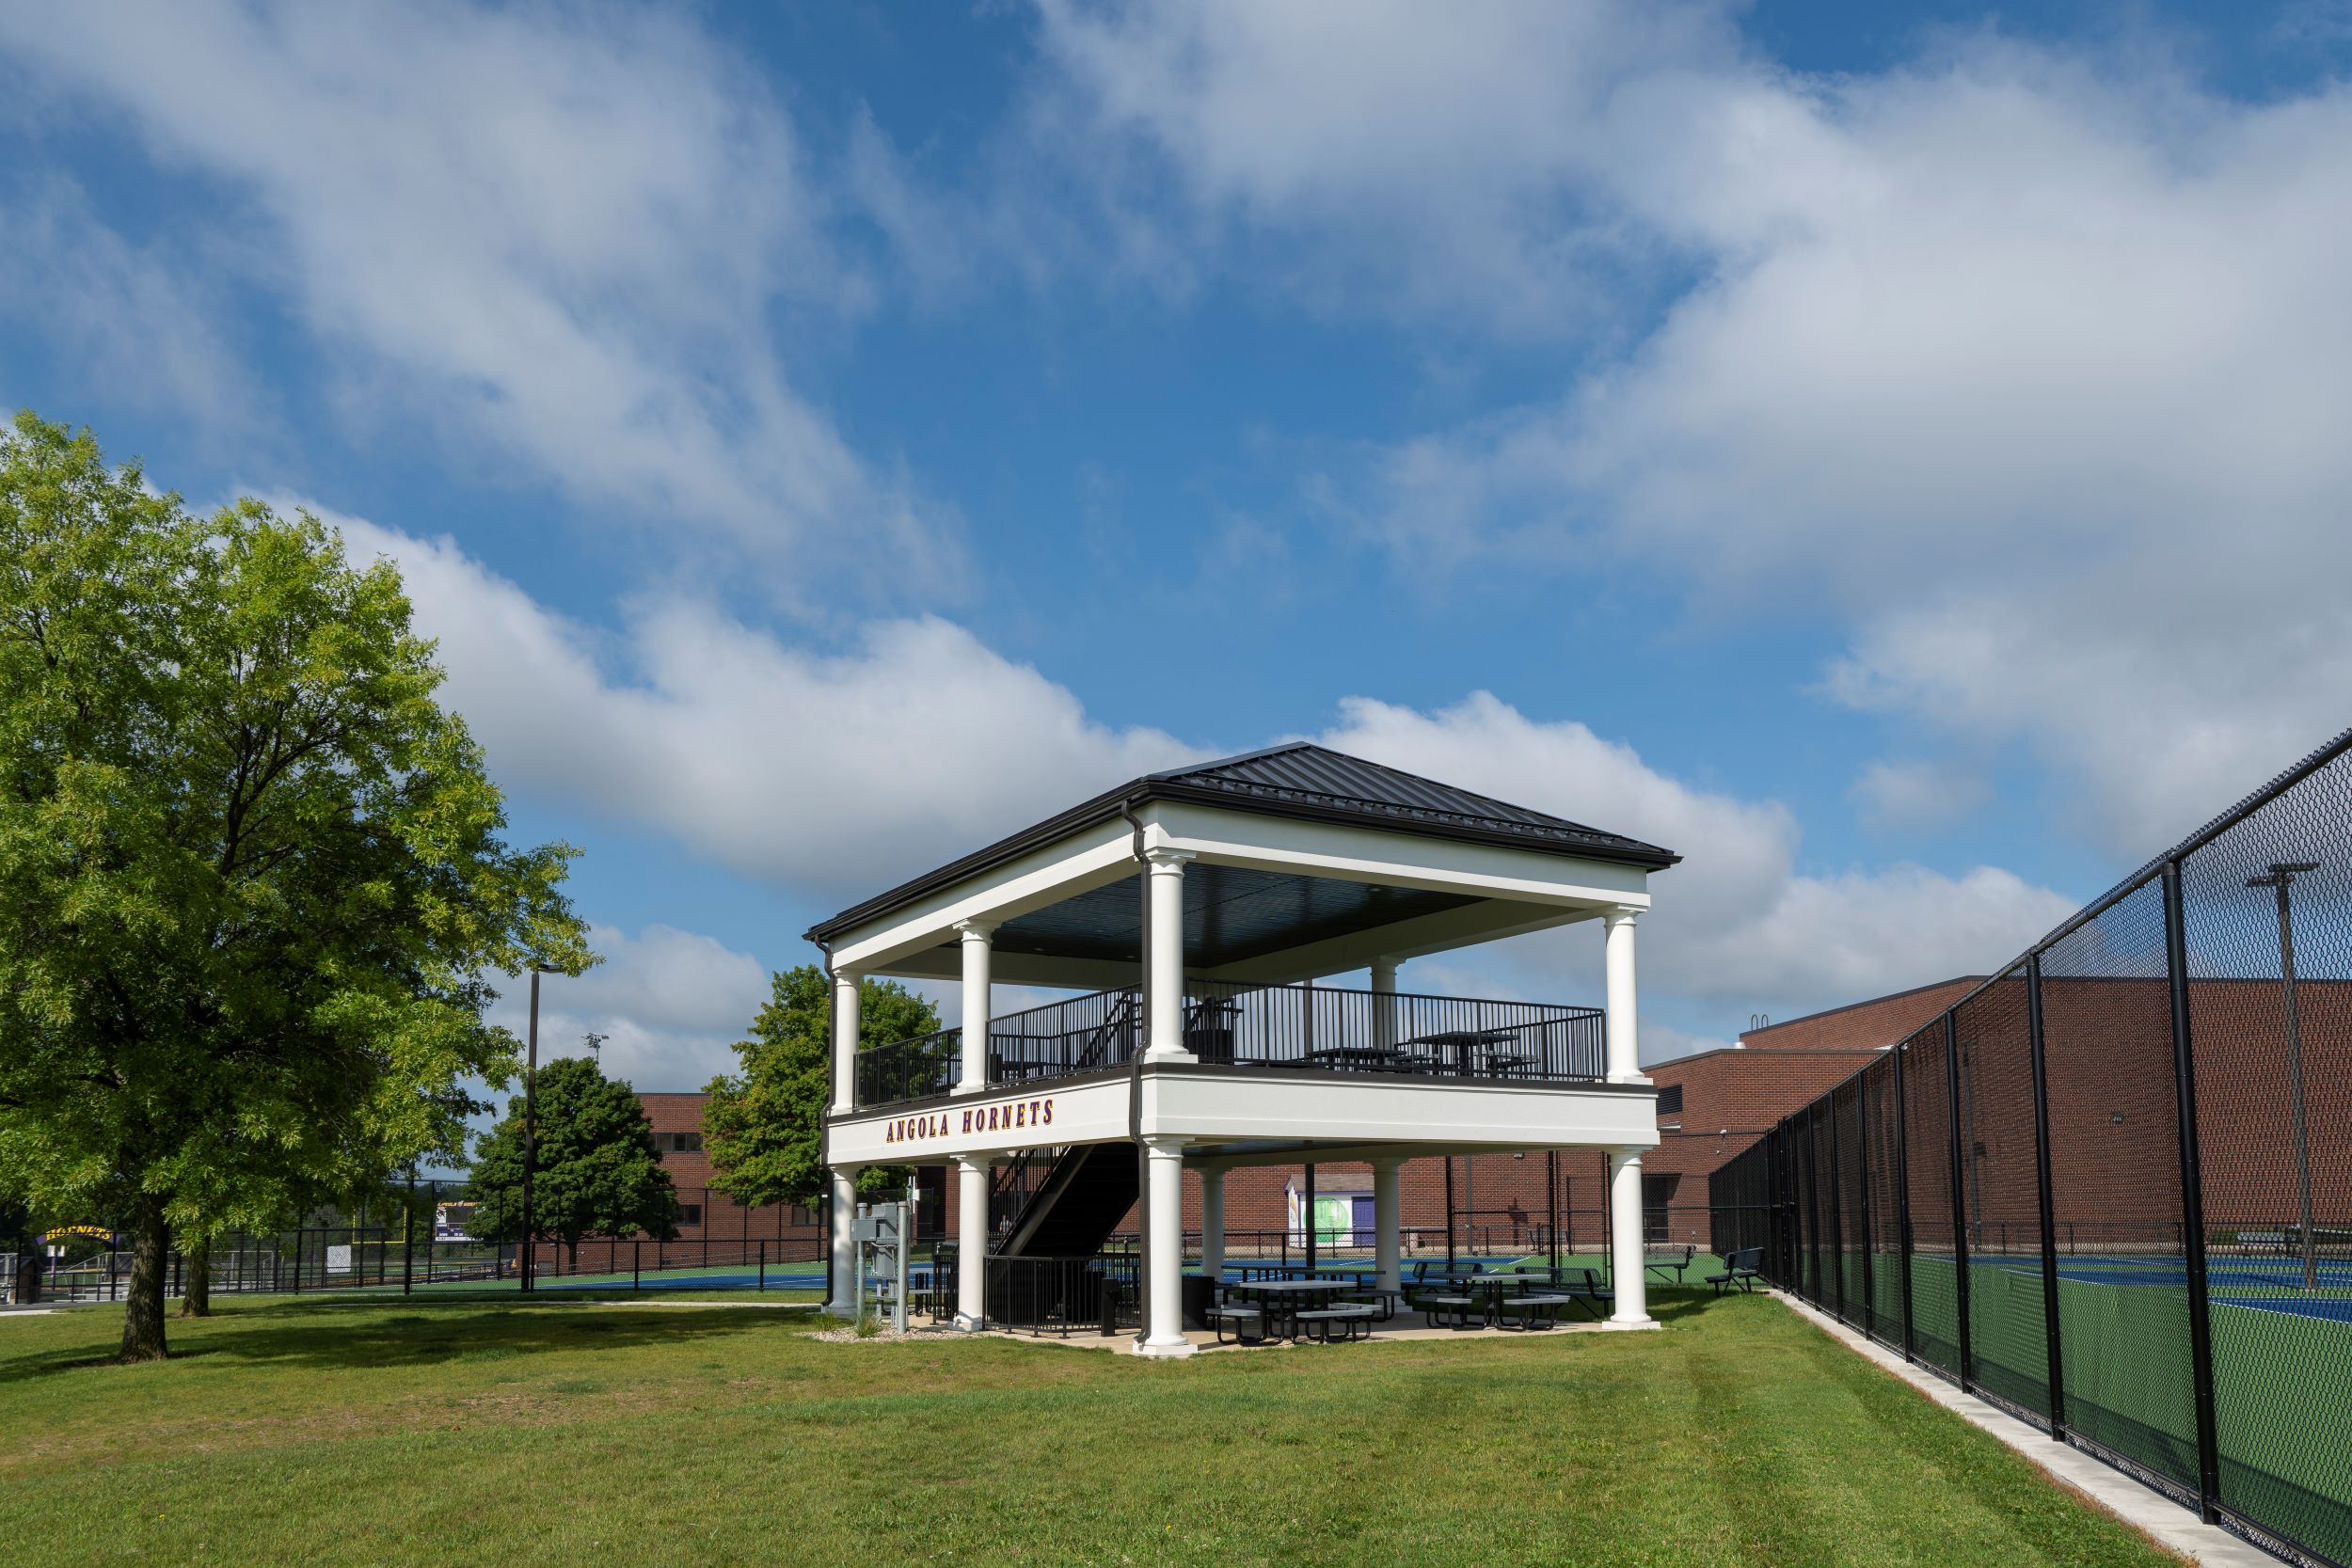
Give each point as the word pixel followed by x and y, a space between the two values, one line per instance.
pixel 2281 879
pixel 530 1273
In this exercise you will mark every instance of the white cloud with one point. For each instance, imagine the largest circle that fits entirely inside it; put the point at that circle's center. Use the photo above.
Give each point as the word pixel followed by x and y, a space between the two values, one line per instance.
pixel 2028 369
pixel 1897 795
pixel 563 236
pixel 834 774
pixel 822 773
pixel 1737 927
pixel 669 1002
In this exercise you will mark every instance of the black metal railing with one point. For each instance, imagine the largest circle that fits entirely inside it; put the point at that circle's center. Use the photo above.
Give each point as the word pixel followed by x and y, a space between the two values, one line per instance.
pixel 1098 1294
pixel 1085 1033
pixel 910 1070
pixel 1323 1027
pixel 2109 1188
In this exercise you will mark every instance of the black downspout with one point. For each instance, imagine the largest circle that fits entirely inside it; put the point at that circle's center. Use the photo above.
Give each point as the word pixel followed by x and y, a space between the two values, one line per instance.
pixel 1135 1083
pixel 824 1122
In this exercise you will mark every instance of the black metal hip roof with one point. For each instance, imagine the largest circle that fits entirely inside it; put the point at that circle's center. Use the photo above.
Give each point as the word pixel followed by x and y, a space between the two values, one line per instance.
pixel 1298 779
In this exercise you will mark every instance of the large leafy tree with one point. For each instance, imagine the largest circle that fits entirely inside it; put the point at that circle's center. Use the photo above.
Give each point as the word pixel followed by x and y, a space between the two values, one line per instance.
pixel 594 1171
pixel 252 876
pixel 763 1128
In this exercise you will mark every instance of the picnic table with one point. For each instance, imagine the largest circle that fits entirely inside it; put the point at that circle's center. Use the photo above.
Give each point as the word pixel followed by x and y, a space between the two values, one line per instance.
pixel 1467 1043
pixel 1280 1297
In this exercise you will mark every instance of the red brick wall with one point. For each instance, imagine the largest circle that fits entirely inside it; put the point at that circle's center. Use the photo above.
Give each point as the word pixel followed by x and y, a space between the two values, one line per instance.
pixel 1863 1026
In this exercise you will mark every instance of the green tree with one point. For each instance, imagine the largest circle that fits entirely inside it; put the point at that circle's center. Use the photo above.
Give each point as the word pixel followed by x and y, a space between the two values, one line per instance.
pixel 762 1128
pixel 595 1172
pixel 252 879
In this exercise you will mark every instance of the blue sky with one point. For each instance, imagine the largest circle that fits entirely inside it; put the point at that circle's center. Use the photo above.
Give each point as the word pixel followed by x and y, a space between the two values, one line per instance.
pixel 1892 454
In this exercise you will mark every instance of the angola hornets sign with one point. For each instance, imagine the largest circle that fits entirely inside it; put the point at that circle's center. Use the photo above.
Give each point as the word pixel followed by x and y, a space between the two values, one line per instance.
pixel 1001 1118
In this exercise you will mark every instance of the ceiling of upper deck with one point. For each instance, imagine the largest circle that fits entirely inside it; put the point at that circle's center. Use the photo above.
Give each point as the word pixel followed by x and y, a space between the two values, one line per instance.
pixel 1232 915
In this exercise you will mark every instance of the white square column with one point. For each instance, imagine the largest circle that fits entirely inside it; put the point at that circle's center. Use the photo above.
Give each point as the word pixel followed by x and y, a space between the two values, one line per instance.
pixel 844 1004
pixel 1213 1221
pixel 1386 1224
pixel 1164 1249
pixel 1630 1280
pixel 974 1177
pixel 1624 1046
pixel 976 952
pixel 1384 1030
pixel 845 1269
pixel 1164 1036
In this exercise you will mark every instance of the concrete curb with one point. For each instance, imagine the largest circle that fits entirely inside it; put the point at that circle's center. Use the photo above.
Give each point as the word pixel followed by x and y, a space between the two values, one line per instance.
pixel 2150 1511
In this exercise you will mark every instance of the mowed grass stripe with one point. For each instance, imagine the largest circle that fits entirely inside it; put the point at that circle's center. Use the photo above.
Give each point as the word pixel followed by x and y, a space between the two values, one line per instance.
pixel 468 1433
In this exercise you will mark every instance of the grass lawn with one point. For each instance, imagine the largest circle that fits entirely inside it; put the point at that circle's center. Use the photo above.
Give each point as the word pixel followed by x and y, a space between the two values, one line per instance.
pixel 460 1431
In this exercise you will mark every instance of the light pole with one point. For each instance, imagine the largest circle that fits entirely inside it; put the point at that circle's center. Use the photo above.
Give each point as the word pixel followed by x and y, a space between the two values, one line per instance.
pixel 2281 879
pixel 530 1272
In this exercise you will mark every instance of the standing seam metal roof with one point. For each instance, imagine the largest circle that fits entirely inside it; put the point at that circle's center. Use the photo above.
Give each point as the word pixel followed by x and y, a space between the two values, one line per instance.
pixel 1299 779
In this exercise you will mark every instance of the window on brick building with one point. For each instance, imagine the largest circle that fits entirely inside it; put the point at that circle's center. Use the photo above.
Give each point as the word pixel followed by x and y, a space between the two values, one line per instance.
pixel 689 1213
pixel 677 1142
pixel 1670 1101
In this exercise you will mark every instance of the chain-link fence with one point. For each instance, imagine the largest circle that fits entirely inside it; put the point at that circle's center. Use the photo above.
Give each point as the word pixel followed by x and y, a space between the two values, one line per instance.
pixel 2111 1188
pixel 426 1237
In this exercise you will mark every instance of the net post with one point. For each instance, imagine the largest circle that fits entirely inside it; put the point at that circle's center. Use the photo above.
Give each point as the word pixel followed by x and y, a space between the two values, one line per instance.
pixel 2042 1178
pixel 1959 1192
pixel 2192 1197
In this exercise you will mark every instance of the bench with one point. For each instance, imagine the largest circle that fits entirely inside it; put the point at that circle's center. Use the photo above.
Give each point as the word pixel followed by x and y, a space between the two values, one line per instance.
pixel 1242 1319
pixel 1740 1268
pixel 1582 1288
pixel 1454 1312
pixel 1315 1323
pixel 1674 1258
pixel 1385 1300
pixel 1535 1311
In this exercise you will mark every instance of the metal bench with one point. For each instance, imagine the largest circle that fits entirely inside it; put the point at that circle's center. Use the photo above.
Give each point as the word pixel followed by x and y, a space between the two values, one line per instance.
pixel 1241 1318
pixel 1582 1288
pixel 1315 1323
pixel 1385 1302
pixel 1676 1257
pixel 1455 1313
pixel 1740 1268
pixel 1535 1311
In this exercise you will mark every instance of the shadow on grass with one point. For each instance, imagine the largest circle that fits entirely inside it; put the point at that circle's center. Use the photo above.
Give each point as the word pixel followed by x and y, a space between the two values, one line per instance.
pixel 328 1335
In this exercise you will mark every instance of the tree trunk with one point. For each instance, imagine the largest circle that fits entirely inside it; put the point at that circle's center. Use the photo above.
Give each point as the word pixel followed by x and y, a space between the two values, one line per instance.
pixel 143 1308
pixel 196 1287
pixel 572 1248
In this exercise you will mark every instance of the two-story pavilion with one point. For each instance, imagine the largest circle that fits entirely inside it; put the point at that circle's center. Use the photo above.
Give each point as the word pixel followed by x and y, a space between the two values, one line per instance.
pixel 1198 907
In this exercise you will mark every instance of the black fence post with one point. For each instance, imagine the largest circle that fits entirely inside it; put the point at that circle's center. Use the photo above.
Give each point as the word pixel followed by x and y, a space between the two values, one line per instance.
pixel 2192 1197
pixel 409 1236
pixel 1902 1198
pixel 1960 1191
pixel 2041 1175
pixel 1861 1154
pixel 1836 1209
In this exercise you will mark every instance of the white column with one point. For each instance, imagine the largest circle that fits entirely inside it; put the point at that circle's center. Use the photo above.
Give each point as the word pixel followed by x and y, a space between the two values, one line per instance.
pixel 1383 1002
pixel 973 1176
pixel 976 1004
pixel 1164 1039
pixel 1164 1314
pixel 1386 1223
pixel 1213 1221
pixel 1630 1279
pixel 844 1301
pixel 1625 1049
pixel 845 1000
